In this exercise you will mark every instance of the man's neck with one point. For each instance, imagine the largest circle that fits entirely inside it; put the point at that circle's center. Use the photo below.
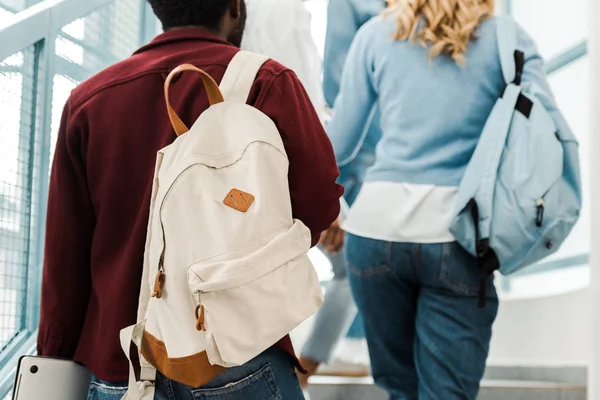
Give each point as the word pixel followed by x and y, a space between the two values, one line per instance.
pixel 202 28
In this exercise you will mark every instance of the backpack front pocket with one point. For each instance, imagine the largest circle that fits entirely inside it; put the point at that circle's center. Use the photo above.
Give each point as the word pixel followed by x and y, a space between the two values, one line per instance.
pixel 248 302
pixel 533 159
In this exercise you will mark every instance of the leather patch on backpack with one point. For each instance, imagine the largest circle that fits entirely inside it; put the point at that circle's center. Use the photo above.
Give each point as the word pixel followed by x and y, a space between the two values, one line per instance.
pixel 238 200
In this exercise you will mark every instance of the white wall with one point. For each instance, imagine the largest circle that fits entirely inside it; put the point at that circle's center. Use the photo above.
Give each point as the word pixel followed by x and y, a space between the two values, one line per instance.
pixel 594 163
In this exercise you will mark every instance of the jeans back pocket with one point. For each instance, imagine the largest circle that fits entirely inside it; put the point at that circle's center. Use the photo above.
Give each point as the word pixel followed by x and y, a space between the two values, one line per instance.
pixel 368 257
pixel 460 271
pixel 101 390
pixel 260 385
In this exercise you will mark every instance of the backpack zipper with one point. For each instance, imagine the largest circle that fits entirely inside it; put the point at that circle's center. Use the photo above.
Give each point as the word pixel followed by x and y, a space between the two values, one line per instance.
pixel 200 322
pixel 539 219
pixel 159 281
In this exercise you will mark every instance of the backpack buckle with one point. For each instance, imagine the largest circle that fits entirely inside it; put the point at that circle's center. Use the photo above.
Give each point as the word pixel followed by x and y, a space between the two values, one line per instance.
pixel 483 246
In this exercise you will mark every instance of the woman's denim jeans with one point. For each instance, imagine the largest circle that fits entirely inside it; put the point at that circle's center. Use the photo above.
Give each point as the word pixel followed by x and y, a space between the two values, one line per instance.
pixel 427 338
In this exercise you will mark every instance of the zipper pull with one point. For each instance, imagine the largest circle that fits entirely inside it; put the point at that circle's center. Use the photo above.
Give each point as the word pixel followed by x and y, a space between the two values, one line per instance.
pixel 539 219
pixel 159 284
pixel 200 318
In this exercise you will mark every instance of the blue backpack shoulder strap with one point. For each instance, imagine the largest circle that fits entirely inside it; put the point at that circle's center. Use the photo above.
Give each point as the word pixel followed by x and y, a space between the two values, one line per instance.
pixel 512 59
pixel 512 63
pixel 477 187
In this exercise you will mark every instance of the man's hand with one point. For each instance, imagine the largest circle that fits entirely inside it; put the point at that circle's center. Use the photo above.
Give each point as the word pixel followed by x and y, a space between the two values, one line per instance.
pixel 333 238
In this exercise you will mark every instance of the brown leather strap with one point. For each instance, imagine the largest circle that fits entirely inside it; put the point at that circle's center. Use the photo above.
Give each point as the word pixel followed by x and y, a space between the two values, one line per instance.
pixel 212 90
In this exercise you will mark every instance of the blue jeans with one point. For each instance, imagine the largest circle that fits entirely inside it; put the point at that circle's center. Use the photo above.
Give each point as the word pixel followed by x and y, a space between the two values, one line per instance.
pixel 427 338
pixel 270 376
pixel 102 390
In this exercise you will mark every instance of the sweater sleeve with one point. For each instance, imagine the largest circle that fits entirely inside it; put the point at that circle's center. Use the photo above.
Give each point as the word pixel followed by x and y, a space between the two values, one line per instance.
pixel 312 169
pixel 355 103
pixel 70 223
pixel 342 25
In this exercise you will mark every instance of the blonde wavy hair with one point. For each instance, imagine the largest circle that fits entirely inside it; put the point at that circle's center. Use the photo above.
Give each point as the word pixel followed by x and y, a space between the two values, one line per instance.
pixel 447 25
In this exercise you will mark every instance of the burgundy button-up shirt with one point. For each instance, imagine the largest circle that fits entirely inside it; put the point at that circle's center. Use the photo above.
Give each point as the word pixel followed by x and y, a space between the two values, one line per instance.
pixel 100 188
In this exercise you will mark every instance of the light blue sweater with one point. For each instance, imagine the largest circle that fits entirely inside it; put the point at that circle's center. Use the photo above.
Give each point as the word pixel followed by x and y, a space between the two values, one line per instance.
pixel 344 19
pixel 432 112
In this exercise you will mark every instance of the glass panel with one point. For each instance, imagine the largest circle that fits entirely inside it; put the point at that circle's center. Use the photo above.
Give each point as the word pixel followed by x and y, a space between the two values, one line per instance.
pixel 83 48
pixel 554 25
pixel 75 29
pixel 13 5
pixel 102 38
pixel 69 51
pixel 62 87
pixel 90 44
pixel 16 171
pixel 5 16
pixel 16 60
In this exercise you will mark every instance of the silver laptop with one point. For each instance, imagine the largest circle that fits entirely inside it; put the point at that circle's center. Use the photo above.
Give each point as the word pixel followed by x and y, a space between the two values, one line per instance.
pixel 50 379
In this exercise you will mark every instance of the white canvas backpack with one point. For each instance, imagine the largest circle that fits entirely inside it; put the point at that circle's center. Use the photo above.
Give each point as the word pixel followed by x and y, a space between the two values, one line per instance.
pixel 226 272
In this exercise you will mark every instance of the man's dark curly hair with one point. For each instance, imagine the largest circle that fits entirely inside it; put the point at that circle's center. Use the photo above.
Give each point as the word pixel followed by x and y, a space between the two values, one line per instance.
pixel 178 13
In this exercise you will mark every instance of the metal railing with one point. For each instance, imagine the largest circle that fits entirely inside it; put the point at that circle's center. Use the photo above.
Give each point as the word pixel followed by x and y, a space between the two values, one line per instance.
pixel 568 56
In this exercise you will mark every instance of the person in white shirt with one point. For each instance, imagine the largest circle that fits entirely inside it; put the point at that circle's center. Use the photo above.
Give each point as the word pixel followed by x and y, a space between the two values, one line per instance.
pixel 281 29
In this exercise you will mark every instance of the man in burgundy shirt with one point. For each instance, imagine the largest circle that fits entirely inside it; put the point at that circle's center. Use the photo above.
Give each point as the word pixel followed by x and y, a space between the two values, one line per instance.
pixel 100 188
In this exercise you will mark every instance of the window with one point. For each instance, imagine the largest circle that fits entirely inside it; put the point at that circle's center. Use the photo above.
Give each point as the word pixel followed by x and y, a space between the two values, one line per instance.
pixel 89 44
pixel 13 5
pixel 16 179
pixel 554 25
pixel 5 16
pixel 28 133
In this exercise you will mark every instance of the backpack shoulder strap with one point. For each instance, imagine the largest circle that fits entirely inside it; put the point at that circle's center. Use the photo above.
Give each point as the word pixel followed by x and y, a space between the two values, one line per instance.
pixel 492 142
pixel 512 59
pixel 240 76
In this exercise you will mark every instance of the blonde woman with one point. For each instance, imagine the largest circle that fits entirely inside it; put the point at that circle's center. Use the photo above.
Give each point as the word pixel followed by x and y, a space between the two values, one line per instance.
pixel 433 69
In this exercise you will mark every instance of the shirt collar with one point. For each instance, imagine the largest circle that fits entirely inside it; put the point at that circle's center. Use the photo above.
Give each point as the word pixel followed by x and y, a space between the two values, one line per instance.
pixel 180 35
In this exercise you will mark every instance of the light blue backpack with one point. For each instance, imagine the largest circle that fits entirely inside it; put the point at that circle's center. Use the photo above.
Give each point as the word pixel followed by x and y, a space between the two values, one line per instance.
pixel 521 193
